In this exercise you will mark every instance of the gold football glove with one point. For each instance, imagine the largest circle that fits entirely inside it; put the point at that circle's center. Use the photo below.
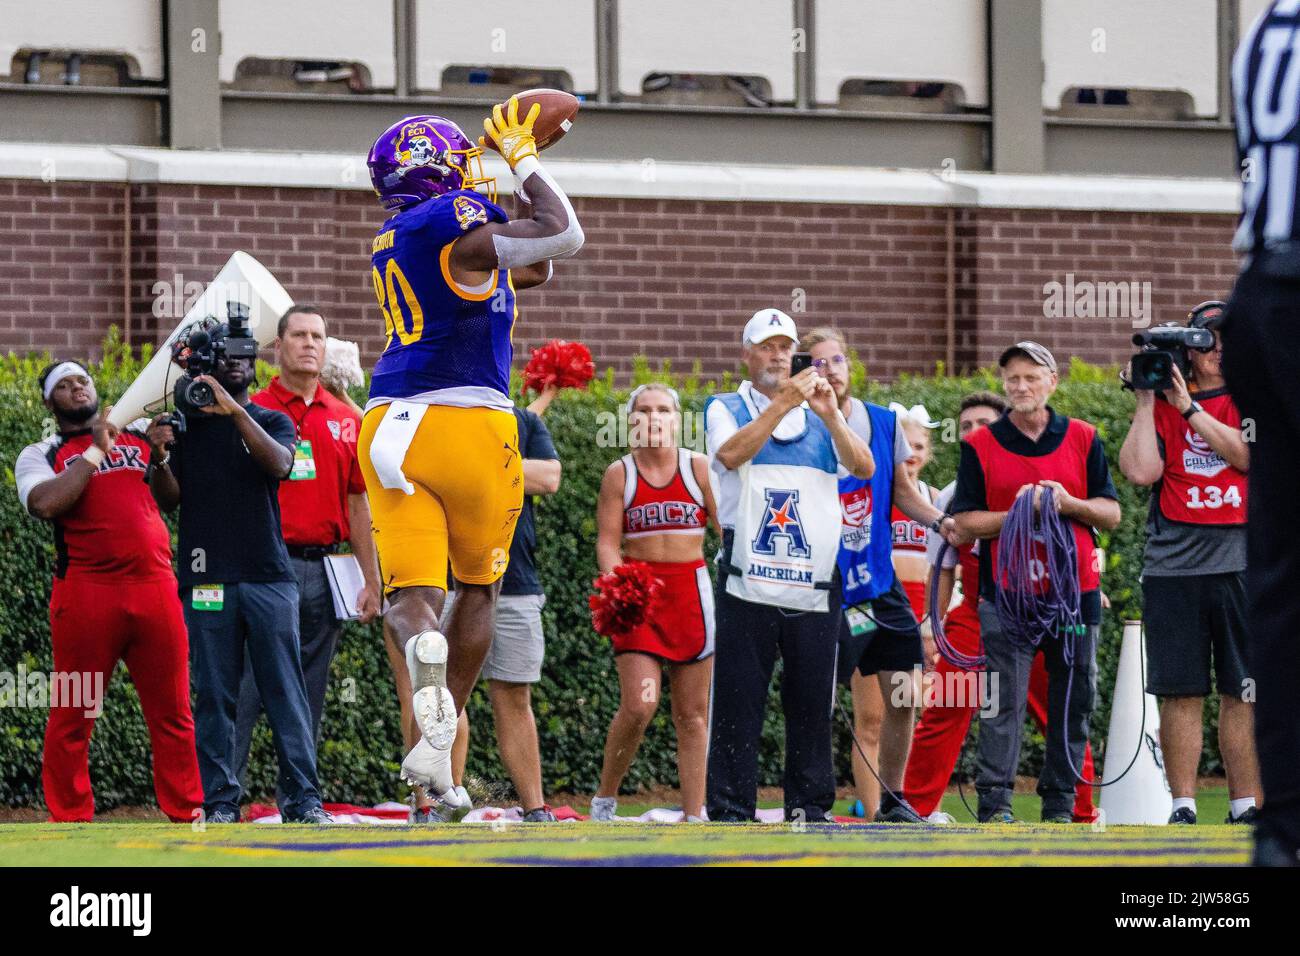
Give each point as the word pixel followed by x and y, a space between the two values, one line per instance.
pixel 513 138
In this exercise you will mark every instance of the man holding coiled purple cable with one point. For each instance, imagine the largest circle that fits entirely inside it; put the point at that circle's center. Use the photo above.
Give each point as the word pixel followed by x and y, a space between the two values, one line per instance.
pixel 1036 451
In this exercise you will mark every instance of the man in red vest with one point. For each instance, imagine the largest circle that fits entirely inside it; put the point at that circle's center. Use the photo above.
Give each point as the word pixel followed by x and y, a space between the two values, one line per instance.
pixel 1189 445
pixel 1030 448
pixel 941 730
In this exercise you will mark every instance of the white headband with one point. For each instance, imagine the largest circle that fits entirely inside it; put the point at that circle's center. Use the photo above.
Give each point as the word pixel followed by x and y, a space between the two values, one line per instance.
pixel 62 371
pixel 631 399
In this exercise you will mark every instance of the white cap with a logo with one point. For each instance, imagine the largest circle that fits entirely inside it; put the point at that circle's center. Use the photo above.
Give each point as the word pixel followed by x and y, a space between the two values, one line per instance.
pixel 767 323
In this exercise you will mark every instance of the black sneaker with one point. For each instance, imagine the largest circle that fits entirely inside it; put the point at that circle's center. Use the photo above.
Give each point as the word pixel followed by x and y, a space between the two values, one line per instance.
pixel 900 811
pixel 542 814
pixel 222 816
pixel 1184 815
pixel 1249 815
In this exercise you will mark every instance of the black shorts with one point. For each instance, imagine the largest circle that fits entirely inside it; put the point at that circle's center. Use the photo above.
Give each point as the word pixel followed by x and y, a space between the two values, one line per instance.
pixel 1188 620
pixel 895 644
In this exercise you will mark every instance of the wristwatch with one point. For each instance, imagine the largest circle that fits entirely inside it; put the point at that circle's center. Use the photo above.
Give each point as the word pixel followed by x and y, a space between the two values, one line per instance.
pixel 937 524
pixel 154 465
pixel 1192 409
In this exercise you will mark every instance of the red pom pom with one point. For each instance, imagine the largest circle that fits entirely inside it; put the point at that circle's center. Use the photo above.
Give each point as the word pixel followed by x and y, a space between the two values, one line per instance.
pixel 560 363
pixel 622 598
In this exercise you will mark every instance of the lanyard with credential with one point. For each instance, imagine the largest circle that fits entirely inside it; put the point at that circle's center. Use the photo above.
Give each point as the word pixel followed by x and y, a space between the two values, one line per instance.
pixel 304 462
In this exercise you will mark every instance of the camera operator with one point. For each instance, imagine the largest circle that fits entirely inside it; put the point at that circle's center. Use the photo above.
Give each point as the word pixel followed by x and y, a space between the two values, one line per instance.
pixel 1188 445
pixel 322 505
pixel 237 585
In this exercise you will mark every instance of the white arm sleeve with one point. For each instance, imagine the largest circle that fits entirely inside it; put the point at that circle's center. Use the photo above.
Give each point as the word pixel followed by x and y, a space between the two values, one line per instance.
pixel 519 185
pixel 30 470
pixel 513 252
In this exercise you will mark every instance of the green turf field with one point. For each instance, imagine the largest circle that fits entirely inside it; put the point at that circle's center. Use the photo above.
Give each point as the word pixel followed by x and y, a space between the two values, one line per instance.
pixel 635 844
pixel 1211 806
pixel 618 844
pixel 622 844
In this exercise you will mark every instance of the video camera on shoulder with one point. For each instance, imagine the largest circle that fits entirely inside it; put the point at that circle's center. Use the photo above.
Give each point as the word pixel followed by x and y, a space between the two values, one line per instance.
pixel 199 350
pixel 1169 344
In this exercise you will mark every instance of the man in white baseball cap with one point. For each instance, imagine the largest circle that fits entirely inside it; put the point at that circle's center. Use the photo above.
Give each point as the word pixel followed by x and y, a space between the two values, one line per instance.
pixel 767 323
pixel 775 444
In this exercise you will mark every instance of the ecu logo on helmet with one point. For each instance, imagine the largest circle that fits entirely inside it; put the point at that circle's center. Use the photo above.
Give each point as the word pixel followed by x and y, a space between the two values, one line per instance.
pixel 415 148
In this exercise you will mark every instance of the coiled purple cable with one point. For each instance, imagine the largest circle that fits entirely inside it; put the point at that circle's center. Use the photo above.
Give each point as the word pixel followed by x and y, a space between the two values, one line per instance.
pixel 1029 607
pixel 1026 608
pixel 956 658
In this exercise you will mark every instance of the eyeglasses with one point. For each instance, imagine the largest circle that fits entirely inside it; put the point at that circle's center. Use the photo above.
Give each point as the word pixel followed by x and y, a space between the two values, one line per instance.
pixel 823 364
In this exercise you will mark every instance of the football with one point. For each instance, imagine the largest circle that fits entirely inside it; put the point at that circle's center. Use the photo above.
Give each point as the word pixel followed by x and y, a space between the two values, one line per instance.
pixel 556 119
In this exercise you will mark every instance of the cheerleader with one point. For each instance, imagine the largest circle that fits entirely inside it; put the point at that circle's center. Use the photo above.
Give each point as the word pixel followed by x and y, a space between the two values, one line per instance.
pixel 654 506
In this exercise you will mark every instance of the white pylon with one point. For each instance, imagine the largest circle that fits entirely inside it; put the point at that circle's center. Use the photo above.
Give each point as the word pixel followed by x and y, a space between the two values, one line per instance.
pixel 1142 796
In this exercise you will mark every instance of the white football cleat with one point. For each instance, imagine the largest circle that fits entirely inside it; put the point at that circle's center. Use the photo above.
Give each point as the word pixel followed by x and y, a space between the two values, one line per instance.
pixel 428 767
pixel 940 818
pixel 603 809
pixel 435 711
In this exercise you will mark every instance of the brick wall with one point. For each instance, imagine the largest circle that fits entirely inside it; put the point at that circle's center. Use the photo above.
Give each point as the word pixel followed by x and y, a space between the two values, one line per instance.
pixel 672 279
pixel 1012 254
pixel 61 279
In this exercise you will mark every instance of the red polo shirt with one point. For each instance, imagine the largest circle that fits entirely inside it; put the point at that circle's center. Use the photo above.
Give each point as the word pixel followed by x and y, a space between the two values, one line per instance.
pixel 314 511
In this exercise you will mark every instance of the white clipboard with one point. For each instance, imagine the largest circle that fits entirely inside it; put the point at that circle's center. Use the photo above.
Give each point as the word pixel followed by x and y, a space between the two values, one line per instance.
pixel 346 582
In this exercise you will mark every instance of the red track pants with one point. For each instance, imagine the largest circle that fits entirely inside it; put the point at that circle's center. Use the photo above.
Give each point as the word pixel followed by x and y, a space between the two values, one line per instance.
pixel 937 741
pixel 94 623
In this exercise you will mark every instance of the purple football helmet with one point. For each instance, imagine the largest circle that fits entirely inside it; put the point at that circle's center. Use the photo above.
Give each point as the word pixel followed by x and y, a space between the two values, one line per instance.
pixel 422 157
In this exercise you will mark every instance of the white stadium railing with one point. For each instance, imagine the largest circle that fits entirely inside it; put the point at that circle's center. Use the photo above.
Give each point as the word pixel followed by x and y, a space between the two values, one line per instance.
pixel 128 28
pixel 1132 44
pixel 726 37
pixel 543 34
pixel 935 41
pixel 341 30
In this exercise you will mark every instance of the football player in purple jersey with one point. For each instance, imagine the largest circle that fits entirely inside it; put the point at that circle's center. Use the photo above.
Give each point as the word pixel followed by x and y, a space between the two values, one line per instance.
pixel 439 445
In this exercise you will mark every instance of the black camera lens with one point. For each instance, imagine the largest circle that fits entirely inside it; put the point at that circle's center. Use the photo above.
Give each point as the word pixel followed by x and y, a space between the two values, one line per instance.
pixel 199 394
pixel 1152 371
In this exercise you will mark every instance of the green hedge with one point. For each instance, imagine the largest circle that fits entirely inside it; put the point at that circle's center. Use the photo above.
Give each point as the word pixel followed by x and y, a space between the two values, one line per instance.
pixel 578 692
